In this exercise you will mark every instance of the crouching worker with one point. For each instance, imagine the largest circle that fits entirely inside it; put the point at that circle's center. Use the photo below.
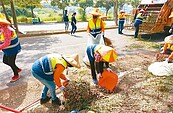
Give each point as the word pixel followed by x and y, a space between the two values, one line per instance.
pixel 168 48
pixel 49 71
pixel 99 55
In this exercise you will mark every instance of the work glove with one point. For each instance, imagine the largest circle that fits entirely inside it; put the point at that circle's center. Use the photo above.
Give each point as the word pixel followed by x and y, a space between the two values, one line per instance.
pixel 170 31
pixel 99 75
pixel 109 69
pixel 62 88
pixel 168 60
pixel 162 52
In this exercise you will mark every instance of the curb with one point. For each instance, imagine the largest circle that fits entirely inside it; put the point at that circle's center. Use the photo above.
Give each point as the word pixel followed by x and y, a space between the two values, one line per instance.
pixel 52 32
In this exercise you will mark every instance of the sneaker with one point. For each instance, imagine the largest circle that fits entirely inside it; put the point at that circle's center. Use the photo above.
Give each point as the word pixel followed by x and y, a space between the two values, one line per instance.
pixel 19 70
pixel 15 78
pixel 95 81
pixel 57 101
pixel 43 101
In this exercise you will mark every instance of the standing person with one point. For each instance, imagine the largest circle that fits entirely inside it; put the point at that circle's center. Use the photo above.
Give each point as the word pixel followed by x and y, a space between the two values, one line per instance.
pixel 66 20
pixel 171 29
pixel 99 55
pixel 121 20
pixel 138 21
pixel 49 71
pixel 95 24
pixel 73 23
pixel 10 46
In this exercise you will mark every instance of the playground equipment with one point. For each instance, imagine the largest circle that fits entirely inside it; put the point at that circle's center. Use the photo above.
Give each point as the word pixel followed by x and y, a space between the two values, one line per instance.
pixel 157 15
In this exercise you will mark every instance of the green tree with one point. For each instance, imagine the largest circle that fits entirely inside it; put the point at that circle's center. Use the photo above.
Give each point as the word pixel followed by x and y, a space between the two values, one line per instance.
pixel 104 3
pixel 31 4
pixel 84 4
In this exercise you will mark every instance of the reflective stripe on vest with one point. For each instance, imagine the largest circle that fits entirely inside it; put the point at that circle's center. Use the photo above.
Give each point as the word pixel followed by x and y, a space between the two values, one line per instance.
pixel 170 46
pixel 49 63
pixel 95 28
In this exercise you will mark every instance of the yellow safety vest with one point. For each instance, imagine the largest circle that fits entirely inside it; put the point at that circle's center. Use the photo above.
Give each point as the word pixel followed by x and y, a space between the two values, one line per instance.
pixel 94 26
pixel 52 60
pixel 2 36
pixel 170 46
pixel 121 16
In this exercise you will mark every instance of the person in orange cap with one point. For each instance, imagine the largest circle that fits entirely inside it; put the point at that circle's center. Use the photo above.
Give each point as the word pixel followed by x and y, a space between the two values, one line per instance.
pixel 10 46
pixel 138 21
pixel 98 56
pixel 121 20
pixel 168 48
pixel 95 24
pixel 49 71
pixel 171 29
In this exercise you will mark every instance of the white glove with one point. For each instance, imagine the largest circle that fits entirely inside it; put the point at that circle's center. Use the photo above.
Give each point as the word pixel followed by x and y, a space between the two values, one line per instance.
pixel 109 69
pixel 99 75
pixel 162 52
pixel 62 88
pixel 170 31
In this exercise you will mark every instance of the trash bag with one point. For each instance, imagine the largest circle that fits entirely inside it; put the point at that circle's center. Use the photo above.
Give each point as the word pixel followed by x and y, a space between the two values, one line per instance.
pixel 161 68
pixel 95 40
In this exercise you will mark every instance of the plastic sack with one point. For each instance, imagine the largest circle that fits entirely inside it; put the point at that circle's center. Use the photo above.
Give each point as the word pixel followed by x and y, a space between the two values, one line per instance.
pixel 161 68
pixel 95 40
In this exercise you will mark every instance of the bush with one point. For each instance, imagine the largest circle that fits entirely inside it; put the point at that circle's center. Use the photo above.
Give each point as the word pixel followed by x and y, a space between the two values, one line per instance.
pixel 78 95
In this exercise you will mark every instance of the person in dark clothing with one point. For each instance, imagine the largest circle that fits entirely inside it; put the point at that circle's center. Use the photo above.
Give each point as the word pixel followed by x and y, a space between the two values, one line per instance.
pixel 73 23
pixel 66 20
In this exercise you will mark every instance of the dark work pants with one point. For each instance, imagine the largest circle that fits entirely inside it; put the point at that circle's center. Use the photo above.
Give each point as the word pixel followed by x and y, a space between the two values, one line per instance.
pixel 136 30
pixel 120 26
pixel 10 61
pixel 73 30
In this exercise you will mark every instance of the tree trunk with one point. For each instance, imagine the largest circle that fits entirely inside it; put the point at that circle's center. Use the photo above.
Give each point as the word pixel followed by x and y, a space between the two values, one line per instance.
pixel 14 16
pixel 32 11
pixel 116 11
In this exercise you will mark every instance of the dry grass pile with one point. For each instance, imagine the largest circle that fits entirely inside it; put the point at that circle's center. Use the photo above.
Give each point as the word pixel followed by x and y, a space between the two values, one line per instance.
pixel 78 95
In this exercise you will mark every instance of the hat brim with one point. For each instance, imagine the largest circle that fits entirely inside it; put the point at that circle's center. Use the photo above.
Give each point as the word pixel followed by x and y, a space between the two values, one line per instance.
pixel 169 39
pixel 4 22
pixel 72 61
pixel 95 13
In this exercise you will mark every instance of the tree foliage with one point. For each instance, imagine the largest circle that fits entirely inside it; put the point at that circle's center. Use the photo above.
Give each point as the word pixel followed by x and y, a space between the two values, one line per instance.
pixel 60 3
pixel 104 3
pixel 31 4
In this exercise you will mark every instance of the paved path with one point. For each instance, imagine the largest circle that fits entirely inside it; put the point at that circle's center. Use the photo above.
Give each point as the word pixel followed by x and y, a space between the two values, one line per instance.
pixel 55 26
